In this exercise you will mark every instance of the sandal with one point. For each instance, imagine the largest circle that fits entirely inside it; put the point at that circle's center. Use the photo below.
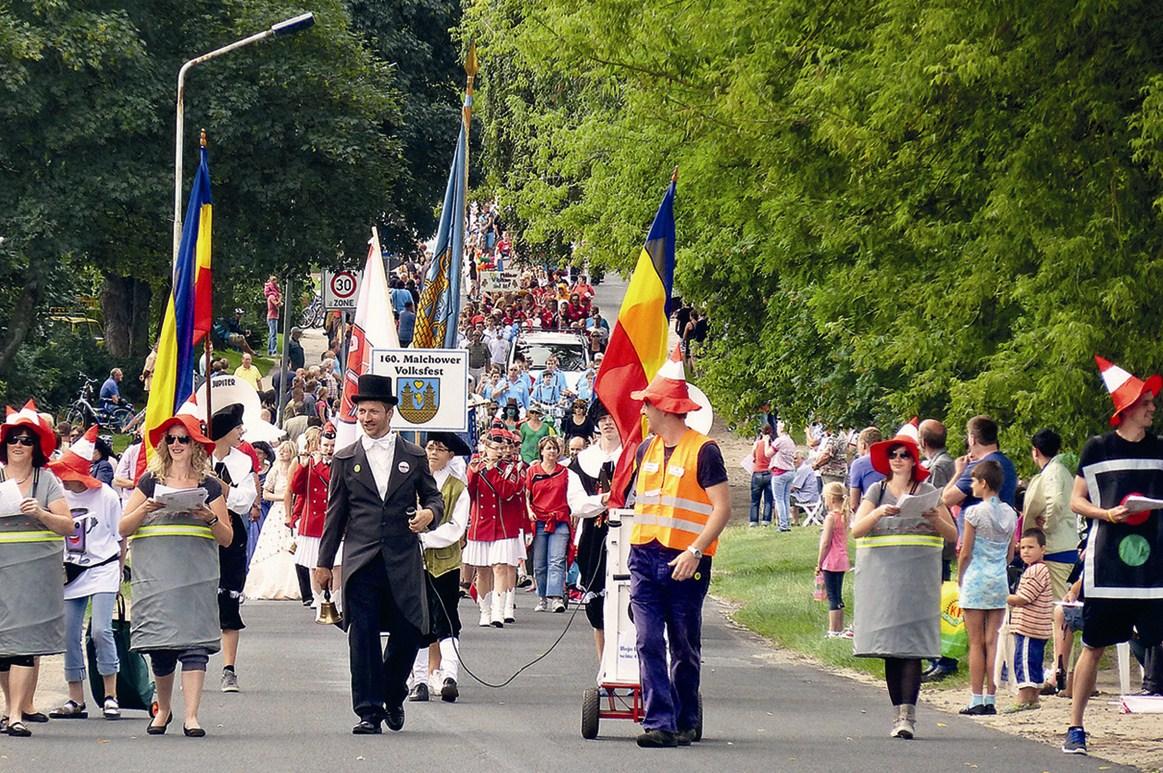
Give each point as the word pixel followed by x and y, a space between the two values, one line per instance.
pixel 70 710
pixel 111 710
pixel 4 724
pixel 18 730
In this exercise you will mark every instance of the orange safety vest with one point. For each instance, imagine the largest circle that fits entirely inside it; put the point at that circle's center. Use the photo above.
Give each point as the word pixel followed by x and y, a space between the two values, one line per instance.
pixel 670 506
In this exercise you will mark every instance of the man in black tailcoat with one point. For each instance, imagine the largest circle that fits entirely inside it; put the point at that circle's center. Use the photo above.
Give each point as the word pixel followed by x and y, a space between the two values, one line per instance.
pixel 382 495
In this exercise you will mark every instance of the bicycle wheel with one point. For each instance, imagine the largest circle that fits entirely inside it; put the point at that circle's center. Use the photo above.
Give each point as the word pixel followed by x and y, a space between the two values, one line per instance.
pixel 119 418
pixel 311 316
pixel 77 416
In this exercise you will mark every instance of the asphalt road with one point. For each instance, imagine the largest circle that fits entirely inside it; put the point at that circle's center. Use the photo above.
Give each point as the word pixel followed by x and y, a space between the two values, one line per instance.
pixel 294 712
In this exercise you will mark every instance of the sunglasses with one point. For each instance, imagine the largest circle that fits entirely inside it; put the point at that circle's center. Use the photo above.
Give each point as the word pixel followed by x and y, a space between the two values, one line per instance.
pixel 183 439
pixel 900 455
pixel 22 440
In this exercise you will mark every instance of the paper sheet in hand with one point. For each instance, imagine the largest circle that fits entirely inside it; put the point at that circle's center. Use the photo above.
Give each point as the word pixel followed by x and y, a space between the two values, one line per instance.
pixel 10 498
pixel 919 504
pixel 175 500
pixel 1137 503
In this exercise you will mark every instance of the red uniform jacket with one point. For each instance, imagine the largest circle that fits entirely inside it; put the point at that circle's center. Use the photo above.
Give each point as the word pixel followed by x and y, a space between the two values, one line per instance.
pixel 498 503
pixel 309 485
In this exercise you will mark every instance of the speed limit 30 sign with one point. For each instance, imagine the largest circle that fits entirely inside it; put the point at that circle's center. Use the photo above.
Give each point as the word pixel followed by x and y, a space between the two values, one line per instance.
pixel 340 290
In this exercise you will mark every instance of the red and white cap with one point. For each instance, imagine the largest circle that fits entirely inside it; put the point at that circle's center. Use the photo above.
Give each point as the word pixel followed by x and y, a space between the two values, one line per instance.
pixel 668 389
pixel 28 417
pixel 1124 387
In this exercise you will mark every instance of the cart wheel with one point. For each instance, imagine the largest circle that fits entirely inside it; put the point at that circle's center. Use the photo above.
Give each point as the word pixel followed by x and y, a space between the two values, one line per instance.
pixel 591 705
pixel 699 726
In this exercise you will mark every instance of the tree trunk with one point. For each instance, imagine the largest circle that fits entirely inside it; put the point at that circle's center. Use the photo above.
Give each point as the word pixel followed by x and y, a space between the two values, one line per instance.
pixel 125 304
pixel 20 324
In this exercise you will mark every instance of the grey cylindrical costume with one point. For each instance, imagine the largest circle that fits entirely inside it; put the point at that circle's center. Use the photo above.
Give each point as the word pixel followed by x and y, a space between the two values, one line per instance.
pixel 175 583
pixel 898 585
pixel 32 604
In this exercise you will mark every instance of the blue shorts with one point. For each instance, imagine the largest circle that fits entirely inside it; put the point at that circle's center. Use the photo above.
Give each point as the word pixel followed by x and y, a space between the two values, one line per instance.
pixel 1028 656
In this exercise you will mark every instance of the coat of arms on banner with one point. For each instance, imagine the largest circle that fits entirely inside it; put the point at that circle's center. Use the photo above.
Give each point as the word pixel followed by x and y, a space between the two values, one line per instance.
pixel 419 399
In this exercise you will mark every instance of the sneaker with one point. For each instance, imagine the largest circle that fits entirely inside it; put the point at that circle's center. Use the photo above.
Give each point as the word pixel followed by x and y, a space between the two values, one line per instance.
pixel 752 525
pixel 419 693
pixel 448 691
pixel 524 581
pixel 110 709
pixel 1075 742
pixel 936 674
pixel 558 605
pixel 847 633
pixel 657 739
pixel 229 681
pixel 980 710
pixel 687 737
pixel 542 605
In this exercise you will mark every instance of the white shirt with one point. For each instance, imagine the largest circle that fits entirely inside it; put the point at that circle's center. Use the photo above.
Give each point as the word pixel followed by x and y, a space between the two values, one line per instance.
pixel 452 530
pixel 126 468
pixel 591 459
pixel 499 349
pixel 380 455
pixel 96 513
pixel 243 491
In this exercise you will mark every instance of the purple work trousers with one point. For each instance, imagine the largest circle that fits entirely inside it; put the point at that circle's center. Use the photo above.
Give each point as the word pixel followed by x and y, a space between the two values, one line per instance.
pixel 659 604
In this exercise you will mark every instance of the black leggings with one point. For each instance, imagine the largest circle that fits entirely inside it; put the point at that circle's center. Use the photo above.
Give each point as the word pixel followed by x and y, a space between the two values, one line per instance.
pixel 21 661
pixel 903 676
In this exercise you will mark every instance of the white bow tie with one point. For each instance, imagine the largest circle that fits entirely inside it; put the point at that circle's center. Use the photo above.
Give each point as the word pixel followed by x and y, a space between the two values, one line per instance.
pixel 385 442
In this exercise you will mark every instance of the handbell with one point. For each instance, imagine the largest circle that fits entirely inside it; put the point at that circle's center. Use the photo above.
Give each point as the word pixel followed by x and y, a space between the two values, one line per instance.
pixel 327 614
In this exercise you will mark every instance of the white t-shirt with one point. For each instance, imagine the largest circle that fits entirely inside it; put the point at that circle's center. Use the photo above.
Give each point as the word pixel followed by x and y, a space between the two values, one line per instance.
pixel 96 513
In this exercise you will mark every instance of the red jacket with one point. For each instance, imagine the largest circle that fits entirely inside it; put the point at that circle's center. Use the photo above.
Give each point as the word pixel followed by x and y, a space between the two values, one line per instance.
pixel 547 494
pixel 498 503
pixel 310 490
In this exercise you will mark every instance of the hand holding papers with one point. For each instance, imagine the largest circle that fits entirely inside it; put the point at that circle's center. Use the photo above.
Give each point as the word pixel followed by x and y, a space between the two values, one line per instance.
pixel 187 500
pixel 916 505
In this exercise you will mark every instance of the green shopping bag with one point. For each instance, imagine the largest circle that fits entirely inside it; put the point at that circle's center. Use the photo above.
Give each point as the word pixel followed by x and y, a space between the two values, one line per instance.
pixel 954 637
pixel 134 686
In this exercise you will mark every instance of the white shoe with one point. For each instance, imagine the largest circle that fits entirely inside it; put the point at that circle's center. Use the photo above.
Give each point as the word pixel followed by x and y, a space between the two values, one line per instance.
pixel 486 602
pixel 542 605
pixel 510 606
pixel 497 611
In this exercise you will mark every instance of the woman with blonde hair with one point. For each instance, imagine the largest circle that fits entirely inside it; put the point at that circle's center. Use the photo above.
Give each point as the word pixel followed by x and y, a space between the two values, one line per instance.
pixel 175 566
pixel 272 569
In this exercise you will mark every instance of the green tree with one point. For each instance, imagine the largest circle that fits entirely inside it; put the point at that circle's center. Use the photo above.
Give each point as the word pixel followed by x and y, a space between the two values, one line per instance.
pixel 889 207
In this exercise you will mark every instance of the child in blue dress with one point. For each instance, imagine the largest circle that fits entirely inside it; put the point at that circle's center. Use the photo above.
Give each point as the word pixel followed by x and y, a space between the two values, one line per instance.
pixel 987 546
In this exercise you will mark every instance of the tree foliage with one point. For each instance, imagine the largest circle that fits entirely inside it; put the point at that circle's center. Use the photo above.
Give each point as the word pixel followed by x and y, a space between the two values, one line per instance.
pixel 889 207
pixel 306 134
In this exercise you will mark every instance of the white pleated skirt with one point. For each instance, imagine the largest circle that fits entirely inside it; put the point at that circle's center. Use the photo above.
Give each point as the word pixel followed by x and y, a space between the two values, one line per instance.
pixel 502 551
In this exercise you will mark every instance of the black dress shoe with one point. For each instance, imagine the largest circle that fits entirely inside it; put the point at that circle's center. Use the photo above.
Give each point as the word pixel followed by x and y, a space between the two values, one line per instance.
pixel 159 729
pixel 658 739
pixel 367 727
pixel 194 732
pixel 394 718
pixel 419 693
pixel 686 737
pixel 448 691
pixel 36 716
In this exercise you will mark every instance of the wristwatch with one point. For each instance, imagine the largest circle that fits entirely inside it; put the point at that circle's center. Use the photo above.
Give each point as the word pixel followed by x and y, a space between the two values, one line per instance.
pixel 212 521
pixel 695 552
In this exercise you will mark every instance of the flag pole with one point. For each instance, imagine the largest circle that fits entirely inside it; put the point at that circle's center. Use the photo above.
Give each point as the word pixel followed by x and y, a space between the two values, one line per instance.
pixel 206 338
pixel 471 68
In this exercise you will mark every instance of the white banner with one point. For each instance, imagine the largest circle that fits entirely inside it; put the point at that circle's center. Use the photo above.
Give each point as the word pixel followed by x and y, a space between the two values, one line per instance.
pixel 500 281
pixel 431 385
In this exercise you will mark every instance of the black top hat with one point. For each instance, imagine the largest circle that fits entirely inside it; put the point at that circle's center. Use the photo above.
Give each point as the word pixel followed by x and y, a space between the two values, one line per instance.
pixel 453 442
pixel 375 388
pixel 224 420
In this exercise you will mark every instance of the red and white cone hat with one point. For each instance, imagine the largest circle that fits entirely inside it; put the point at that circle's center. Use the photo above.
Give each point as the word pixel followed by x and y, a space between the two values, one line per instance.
pixel 28 417
pixel 909 428
pixel 1124 387
pixel 668 390
pixel 76 462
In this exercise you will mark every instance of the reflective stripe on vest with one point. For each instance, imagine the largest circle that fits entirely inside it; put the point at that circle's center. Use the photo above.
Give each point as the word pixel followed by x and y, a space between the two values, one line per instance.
pixel 29 536
pixel 670 506
pixel 175 530
pixel 901 541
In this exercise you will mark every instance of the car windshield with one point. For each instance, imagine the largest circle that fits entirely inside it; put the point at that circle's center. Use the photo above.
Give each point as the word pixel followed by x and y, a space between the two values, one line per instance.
pixel 571 356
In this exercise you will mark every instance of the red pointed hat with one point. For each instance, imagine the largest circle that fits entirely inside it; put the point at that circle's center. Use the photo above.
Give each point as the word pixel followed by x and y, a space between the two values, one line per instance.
pixel 668 390
pixel 1125 388
pixel 28 417
pixel 76 462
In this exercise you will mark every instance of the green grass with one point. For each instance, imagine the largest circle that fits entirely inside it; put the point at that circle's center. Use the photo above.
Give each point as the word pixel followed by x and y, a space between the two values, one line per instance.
pixel 768 575
pixel 234 357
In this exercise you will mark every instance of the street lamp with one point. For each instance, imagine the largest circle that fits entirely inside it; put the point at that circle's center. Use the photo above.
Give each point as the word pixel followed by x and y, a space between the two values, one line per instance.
pixel 285 27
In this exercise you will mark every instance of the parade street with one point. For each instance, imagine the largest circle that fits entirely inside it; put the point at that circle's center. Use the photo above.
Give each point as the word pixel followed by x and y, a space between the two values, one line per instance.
pixel 294 714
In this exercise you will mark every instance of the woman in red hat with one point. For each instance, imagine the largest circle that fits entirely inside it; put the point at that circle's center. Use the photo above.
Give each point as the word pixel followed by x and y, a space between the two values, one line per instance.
pixel 898 587
pixel 175 566
pixel 36 517
pixel 94 555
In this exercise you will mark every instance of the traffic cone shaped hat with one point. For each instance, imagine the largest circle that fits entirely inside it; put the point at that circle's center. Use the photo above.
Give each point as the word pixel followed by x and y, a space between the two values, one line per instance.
pixel 28 417
pixel 909 428
pixel 77 460
pixel 668 390
pixel 1125 388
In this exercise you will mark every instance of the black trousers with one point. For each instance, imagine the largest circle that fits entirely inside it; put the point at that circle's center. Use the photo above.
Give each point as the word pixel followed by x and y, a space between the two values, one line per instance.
pixel 379 678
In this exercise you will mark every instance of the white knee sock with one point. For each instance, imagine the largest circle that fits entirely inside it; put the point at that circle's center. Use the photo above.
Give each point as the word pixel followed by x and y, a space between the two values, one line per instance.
pixel 420 667
pixel 449 663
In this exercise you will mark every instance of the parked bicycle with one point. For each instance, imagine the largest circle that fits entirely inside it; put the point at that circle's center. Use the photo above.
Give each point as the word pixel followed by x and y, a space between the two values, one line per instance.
pixel 312 315
pixel 83 413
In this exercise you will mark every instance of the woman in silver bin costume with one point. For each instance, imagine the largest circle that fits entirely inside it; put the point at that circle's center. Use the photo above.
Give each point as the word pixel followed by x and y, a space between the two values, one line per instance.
pixel 175 567
pixel 898 576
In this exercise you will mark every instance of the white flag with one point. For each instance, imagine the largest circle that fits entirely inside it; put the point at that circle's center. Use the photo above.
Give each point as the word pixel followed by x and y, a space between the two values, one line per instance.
pixel 374 328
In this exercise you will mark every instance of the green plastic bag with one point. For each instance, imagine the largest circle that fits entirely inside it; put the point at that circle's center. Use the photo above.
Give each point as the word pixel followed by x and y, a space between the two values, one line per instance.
pixel 134 686
pixel 954 639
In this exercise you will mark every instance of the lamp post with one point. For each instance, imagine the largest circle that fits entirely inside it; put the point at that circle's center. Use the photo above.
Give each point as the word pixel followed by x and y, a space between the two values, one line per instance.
pixel 285 27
